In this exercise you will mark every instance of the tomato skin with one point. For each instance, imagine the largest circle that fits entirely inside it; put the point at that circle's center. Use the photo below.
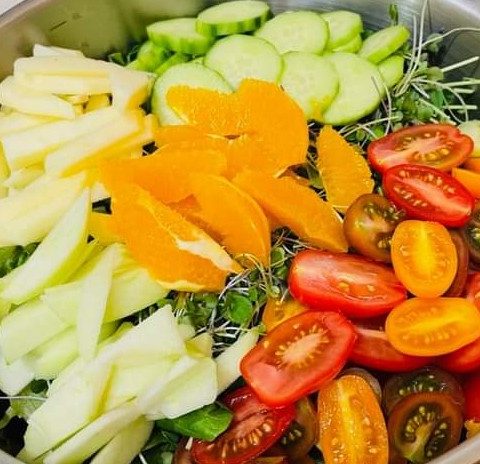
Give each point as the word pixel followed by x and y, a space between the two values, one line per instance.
pixel 444 148
pixel 369 224
pixel 473 289
pixel 255 426
pixel 428 194
pixel 469 179
pixel 352 426
pixel 276 312
pixel 462 361
pixel 471 387
pixel 182 455
pixel 463 260
pixel 373 350
pixel 298 357
pixel 433 327
pixel 424 257
pixel 366 289
pixel 433 410
pixel 471 233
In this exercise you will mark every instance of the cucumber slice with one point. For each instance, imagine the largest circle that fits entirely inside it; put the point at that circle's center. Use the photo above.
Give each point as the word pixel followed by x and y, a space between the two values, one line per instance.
pixel 296 31
pixel 191 74
pixel 151 56
pixel 344 26
pixel 392 70
pixel 351 47
pixel 239 57
pixel 177 58
pixel 360 89
pixel 384 43
pixel 233 17
pixel 311 81
pixel 179 35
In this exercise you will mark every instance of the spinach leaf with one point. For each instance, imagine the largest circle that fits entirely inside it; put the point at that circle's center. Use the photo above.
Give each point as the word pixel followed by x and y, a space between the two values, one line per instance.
pixel 12 257
pixel 238 308
pixel 206 423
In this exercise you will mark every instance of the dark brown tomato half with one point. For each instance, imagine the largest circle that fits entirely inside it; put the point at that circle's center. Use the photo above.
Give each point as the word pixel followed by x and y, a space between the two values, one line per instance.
pixel 423 426
pixel 463 259
pixel 369 224
pixel 425 380
pixel 471 233
pixel 254 429
pixel 302 434
pixel 440 146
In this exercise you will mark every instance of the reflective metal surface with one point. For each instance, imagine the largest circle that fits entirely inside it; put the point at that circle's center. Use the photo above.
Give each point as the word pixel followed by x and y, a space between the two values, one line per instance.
pixel 99 26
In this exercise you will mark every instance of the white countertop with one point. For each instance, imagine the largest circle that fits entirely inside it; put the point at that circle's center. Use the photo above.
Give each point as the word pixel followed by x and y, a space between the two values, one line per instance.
pixel 6 4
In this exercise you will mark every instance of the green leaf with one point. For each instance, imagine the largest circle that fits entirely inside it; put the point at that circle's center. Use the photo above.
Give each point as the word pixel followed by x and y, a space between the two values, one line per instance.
pixel 24 408
pixel 238 308
pixel 162 441
pixel 117 58
pixel 14 256
pixel 206 423
pixel 393 12
pixel 200 307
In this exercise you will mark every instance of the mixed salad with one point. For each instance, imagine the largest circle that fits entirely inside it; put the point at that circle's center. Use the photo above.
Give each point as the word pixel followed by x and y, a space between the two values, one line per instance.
pixel 250 239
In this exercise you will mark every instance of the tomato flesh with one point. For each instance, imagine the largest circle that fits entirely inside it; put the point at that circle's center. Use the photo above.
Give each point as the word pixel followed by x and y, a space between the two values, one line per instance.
pixel 351 284
pixel 255 428
pixel 463 259
pixel 277 311
pixel 471 233
pixel 352 427
pixel 440 146
pixel 432 327
pixel 471 387
pixel 424 257
pixel 298 357
pixel 428 194
pixel 473 289
pixel 369 224
pixel 373 350
pixel 423 426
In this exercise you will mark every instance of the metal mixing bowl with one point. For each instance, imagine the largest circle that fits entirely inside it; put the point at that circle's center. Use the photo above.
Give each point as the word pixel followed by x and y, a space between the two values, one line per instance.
pixel 99 26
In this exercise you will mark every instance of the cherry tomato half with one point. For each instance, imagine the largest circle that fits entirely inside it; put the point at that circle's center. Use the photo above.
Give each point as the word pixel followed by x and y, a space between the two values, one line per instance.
pixel 440 146
pixel 298 357
pixel 473 289
pixel 471 233
pixel 466 359
pixel 254 429
pixel 432 327
pixel 352 427
pixel 424 257
pixel 469 179
pixel 339 282
pixel 423 426
pixel 276 312
pixel 373 350
pixel 428 194
pixel 369 224
pixel 463 260
pixel 471 388
pixel 182 454
pixel 425 380
pixel 302 433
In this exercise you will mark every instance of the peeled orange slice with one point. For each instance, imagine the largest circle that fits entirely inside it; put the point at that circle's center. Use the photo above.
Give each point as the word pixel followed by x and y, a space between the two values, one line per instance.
pixel 233 215
pixel 344 172
pixel 177 253
pixel 297 207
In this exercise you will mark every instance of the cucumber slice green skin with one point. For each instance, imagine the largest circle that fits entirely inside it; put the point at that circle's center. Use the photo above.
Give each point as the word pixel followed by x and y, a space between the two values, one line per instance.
pixel 384 43
pixel 311 81
pixel 392 70
pixel 177 58
pixel 351 47
pixel 343 26
pixel 360 90
pixel 179 35
pixel 234 17
pixel 296 31
pixel 151 56
pixel 238 57
pixel 191 74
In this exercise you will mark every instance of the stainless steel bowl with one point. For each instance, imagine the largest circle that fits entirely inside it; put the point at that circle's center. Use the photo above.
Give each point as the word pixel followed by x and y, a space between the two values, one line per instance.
pixel 99 26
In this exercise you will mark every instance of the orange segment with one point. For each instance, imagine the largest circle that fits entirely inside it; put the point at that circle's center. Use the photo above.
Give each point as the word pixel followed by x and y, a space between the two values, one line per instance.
pixel 265 129
pixel 233 215
pixel 469 179
pixel 102 228
pixel 164 174
pixel 176 252
pixel 344 172
pixel 297 207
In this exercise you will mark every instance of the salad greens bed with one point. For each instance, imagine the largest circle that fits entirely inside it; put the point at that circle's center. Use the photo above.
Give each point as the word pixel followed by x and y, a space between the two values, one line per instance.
pixel 426 93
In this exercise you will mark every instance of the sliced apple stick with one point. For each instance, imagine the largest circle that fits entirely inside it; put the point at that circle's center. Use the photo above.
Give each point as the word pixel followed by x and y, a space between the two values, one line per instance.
pixel 61 66
pixel 23 177
pixel 15 377
pixel 50 50
pixel 14 122
pixel 30 146
pixel 130 88
pixel 87 150
pixel 25 100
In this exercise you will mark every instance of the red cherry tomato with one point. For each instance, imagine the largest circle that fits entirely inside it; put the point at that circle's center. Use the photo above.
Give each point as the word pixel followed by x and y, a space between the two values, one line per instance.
pixel 350 284
pixel 373 350
pixel 466 359
pixel 298 357
pixel 428 194
pixel 463 257
pixel 440 146
pixel 254 429
pixel 471 389
pixel 473 289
